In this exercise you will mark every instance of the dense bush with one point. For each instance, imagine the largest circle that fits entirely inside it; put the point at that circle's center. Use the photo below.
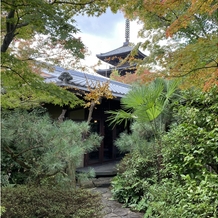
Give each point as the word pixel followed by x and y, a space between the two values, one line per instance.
pixel 187 187
pixel 130 186
pixel 190 158
pixel 191 146
pixel 31 202
pixel 171 199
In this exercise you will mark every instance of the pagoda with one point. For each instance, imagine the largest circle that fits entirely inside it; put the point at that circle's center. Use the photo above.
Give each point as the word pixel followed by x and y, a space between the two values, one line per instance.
pixel 118 58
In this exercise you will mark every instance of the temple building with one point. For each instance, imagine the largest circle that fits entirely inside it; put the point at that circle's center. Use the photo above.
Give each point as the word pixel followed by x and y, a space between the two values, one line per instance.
pixel 119 58
pixel 79 83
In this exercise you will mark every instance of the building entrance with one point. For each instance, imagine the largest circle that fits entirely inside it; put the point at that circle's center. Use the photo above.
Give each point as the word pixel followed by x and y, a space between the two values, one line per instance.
pixel 107 150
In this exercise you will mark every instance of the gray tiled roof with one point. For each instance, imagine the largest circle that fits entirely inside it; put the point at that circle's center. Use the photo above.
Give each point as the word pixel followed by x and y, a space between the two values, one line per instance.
pixel 120 50
pixel 81 80
pixel 125 49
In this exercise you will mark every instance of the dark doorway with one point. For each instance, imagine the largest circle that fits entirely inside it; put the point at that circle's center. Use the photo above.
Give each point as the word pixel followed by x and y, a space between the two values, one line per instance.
pixel 108 142
pixel 107 151
pixel 94 156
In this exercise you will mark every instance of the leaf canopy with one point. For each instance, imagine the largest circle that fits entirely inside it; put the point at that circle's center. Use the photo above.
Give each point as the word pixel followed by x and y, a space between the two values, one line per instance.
pixel 181 37
pixel 52 24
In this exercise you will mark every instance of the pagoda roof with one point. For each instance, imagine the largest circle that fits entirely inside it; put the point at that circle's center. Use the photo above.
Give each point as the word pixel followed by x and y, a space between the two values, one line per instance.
pixel 120 52
pixel 107 72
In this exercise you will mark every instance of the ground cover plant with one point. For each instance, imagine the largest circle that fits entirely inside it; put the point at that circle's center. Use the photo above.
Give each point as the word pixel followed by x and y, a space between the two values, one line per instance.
pixel 26 201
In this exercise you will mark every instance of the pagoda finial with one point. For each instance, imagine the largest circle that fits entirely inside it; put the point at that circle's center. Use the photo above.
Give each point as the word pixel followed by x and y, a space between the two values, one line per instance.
pixel 127 28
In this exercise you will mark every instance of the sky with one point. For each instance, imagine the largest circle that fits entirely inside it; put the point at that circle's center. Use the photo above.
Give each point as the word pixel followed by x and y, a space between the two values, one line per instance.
pixel 104 33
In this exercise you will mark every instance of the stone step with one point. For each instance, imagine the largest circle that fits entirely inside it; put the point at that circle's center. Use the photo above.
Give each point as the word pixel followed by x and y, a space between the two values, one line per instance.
pixel 101 170
pixel 96 182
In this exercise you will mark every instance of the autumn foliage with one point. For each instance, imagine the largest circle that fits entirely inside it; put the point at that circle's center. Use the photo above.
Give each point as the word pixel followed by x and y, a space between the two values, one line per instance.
pixel 137 77
pixel 181 37
pixel 96 91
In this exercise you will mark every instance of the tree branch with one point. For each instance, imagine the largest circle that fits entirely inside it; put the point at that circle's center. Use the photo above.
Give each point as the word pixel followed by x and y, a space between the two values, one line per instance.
pixel 72 3
pixel 10 27
pixel 26 150
pixel 13 4
pixel 200 24
pixel 193 70
pixel 92 106
pixel 16 73
pixel 62 115
pixel 10 30
pixel 21 25
pixel 14 157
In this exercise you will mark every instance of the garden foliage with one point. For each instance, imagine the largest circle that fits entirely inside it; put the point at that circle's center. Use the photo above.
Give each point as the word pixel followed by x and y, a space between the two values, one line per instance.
pixel 23 201
pixel 186 185
pixel 36 149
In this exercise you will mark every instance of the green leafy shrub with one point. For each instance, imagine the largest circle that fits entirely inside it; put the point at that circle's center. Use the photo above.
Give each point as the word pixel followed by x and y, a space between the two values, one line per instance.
pixel 187 184
pixel 133 180
pixel 191 146
pixel 172 199
pixel 31 202
pixel 190 157
pixel 2 210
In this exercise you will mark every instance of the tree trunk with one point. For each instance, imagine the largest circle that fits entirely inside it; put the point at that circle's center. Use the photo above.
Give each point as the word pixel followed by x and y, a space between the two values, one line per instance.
pixel 71 172
pixel 10 31
pixel 90 112
pixel 61 117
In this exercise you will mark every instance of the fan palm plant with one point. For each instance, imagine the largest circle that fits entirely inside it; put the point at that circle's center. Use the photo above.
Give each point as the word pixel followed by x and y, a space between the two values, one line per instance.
pixel 145 103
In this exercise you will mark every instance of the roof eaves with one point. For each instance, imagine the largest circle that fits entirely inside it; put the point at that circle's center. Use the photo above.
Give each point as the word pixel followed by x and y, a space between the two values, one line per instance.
pixel 120 50
pixel 81 79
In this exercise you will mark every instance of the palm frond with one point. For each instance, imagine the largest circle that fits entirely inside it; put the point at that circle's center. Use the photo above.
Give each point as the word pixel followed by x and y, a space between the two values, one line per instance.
pixel 171 86
pixel 144 103
pixel 119 116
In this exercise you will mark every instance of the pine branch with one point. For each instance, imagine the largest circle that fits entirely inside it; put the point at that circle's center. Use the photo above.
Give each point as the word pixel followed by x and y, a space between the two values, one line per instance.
pixel 28 149
pixel 14 157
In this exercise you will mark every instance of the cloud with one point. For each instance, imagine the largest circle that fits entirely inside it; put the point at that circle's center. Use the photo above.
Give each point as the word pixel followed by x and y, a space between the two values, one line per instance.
pixel 102 26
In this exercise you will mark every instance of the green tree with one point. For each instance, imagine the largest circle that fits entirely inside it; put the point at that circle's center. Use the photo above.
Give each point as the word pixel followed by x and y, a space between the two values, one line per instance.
pixel 36 149
pixel 148 106
pixel 22 20
pixel 192 27
pixel 51 22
